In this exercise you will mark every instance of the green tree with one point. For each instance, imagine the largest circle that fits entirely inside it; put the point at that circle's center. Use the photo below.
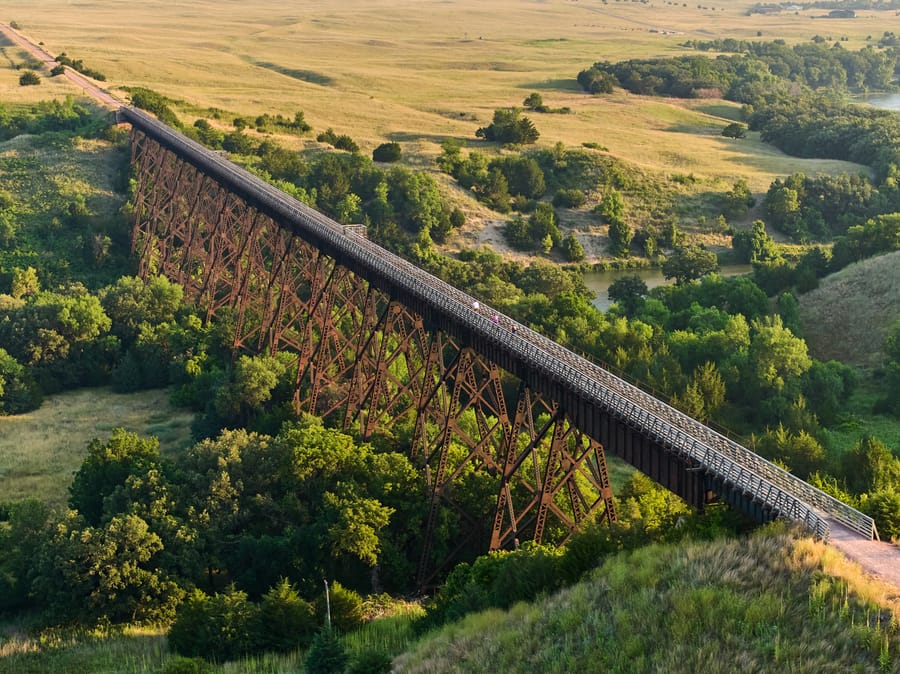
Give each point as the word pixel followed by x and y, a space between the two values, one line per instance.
pixel 735 130
pixel 776 355
pixel 106 468
pixel 754 245
pixel 24 282
pixel 739 200
pixel 84 572
pixel 704 396
pixel 572 248
pixel 387 152
pixel 871 467
pixel 620 236
pixel 509 126
pixel 250 387
pixel 611 206
pixel 354 526
pixel 285 620
pixel 132 303
pixel 884 507
pixel 326 655
pixel 628 292
pixel 689 263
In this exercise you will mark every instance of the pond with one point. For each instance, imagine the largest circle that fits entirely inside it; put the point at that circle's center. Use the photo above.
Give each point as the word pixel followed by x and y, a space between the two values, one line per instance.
pixel 599 281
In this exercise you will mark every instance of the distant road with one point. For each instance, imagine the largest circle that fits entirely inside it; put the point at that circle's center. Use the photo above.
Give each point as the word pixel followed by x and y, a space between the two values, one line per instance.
pixel 90 88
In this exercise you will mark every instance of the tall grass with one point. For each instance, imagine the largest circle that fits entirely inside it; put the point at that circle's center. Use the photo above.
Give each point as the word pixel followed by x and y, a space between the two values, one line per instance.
pixel 771 602
pixel 40 451
pixel 391 634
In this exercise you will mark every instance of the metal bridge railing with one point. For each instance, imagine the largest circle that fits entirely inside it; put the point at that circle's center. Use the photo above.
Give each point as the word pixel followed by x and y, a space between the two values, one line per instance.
pixel 723 458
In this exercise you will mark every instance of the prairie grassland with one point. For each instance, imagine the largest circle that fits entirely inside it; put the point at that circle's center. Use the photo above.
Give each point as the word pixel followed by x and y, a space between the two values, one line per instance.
pixel 40 451
pixel 418 72
pixel 771 602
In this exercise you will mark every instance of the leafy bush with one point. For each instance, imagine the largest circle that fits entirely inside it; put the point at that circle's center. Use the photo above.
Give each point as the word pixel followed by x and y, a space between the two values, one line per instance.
pixel 387 152
pixel 569 198
pixel 734 130
pixel 29 78
pixel 370 662
pixel 285 620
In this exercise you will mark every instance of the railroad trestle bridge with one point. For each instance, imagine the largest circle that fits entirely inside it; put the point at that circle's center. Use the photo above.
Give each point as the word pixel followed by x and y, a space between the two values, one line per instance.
pixel 379 340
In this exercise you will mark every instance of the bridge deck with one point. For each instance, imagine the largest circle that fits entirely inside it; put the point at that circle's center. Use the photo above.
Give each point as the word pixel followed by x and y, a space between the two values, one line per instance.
pixel 530 356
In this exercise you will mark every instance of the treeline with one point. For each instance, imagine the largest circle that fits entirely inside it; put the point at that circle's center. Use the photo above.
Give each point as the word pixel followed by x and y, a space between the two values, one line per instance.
pixel 63 116
pixel 820 207
pixel 77 64
pixel 757 72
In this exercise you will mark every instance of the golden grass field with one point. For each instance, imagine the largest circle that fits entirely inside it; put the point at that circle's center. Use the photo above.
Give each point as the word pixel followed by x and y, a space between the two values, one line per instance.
pixel 418 72
pixel 40 451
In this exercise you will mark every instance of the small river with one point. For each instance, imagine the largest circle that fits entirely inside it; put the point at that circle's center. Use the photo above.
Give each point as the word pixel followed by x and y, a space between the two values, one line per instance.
pixel 885 101
pixel 599 281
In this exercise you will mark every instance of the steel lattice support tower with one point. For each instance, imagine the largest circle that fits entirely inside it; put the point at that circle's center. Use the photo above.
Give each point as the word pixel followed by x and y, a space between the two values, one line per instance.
pixel 364 360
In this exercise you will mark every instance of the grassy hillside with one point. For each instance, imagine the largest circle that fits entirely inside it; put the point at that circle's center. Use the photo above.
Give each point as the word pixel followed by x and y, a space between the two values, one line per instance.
pixel 768 603
pixel 847 317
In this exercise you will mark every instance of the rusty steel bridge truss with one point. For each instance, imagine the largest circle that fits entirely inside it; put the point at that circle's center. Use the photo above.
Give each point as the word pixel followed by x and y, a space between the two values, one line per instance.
pixel 365 359
pixel 382 345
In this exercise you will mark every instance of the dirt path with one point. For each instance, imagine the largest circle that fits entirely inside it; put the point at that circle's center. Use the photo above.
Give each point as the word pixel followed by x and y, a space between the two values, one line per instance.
pixel 88 86
pixel 877 558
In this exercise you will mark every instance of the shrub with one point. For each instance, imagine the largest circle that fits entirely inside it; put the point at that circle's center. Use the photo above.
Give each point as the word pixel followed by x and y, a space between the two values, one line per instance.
pixel 345 142
pixel 346 608
pixel 370 662
pixel 569 199
pixel 58 70
pixel 29 78
pixel 326 654
pixel 285 620
pixel 386 152
pixel 734 130
pixel 216 628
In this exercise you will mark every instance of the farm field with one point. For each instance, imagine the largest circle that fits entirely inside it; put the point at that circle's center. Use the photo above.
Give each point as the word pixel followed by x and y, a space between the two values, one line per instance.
pixel 419 72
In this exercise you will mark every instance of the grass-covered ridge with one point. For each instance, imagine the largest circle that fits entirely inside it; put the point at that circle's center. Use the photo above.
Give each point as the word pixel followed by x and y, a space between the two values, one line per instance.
pixel 858 303
pixel 770 602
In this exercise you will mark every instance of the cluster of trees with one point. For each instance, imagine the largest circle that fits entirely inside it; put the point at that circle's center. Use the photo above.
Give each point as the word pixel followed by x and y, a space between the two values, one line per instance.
pixel 235 514
pixel 775 269
pixel 509 127
pixel 338 141
pixel 78 64
pixel 129 334
pixel 756 72
pixel 822 207
pixel 62 116
pixel 267 123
